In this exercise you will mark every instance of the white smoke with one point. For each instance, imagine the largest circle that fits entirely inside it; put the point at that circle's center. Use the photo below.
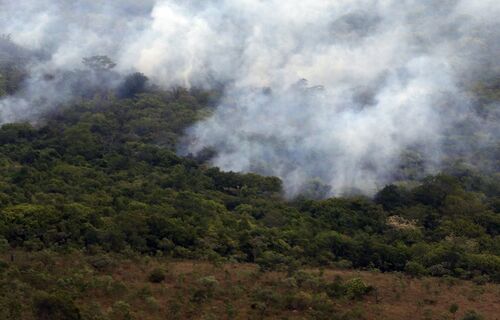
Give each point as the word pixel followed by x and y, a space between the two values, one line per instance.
pixel 384 76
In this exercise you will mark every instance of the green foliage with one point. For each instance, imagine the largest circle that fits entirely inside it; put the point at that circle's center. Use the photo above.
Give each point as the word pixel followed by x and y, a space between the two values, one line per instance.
pixel 101 262
pixel 270 260
pixel 336 289
pixel 355 289
pixel 4 244
pixel 205 289
pixel 102 175
pixel 393 197
pixel 299 301
pixel 415 269
pixel 51 307
pixel 121 311
pixel 156 276
pixel 472 315
pixel 93 312
pixel 453 308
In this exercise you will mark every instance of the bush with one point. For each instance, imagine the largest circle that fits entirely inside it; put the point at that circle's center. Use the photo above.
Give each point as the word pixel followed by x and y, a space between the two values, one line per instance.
pixel 270 260
pixel 415 269
pixel 4 244
pixel 481 279
pixel 121 310
pixel 438 270
pixel 156 276
pixel 267 296
pixel 299 301
pixel 343 264
pixel 209 283
pixel 453 309
pixel 335 289
pixel 52 307
pixel 101 262
pixel 152 303
pixel 472 315
pixel 322 308
pixel 307 280
pixel 206 289
pixel 3 266
pixel 93 312
pixel 355 289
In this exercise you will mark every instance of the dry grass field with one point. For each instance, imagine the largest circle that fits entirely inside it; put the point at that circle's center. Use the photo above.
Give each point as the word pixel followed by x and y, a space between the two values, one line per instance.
pixel 115 287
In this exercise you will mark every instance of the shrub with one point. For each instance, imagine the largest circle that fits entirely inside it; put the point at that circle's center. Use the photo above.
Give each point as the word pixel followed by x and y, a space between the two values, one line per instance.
pixel 270 260
pixel 481 279
pixel 322 308
pixel 121 310
pixel 415 269
pixel 267 296
pixel 472 315
pixel 144 293
pixel 4 244
pixel 101 262
pixel 450 281
pixel 335 289
pixel 52 307
pixel 453 309
pixel 485 263
pixel 355 289
pixel 206 288
pixel 307 281
pixel 343 264
pixel 93 312
pixel 461 273
pixel 355 313
pixel 438 270
pixel 156 276
pixel 3 266
pixel 11 308
pixel 299 301
pixel 152 303
pixel 209 282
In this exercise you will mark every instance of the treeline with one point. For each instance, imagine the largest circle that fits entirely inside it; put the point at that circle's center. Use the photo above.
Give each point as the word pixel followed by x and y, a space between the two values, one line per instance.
pixel 101 175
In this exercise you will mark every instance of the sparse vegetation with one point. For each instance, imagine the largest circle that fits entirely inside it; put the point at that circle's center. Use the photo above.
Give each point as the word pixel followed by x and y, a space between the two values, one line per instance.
pixel 48 285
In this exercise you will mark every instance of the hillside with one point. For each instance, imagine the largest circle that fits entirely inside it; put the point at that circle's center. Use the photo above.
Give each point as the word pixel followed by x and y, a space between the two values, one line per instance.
pixel 166 159
pixel 99 177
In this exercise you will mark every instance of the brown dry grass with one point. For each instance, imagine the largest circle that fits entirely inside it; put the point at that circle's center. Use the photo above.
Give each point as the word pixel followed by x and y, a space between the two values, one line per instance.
pixel 397 296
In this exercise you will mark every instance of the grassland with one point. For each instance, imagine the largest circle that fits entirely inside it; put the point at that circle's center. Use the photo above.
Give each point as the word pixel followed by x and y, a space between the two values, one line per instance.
pixel 113 287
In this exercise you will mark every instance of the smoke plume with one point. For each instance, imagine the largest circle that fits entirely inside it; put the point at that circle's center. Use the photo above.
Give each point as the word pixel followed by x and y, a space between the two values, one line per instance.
pixel 320 90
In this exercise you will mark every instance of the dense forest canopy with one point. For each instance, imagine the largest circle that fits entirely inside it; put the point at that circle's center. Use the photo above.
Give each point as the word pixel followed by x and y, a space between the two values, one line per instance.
pixel 101 174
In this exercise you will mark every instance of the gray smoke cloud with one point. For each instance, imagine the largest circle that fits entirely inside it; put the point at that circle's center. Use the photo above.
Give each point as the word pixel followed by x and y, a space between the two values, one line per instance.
pixel 383 76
